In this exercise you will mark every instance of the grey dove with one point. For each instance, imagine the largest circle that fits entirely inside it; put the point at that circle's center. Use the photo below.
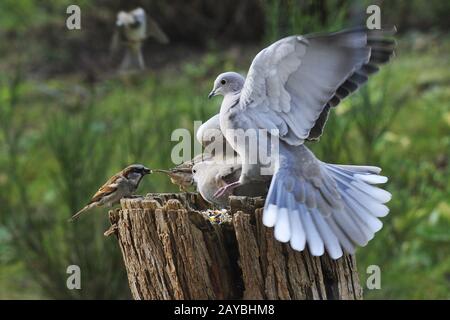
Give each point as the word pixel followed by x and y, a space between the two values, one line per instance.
pixel 220 168
pixel 289 90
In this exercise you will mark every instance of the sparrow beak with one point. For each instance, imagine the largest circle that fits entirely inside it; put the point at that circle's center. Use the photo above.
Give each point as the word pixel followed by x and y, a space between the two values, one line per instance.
pixel 147 171
pixel 211 94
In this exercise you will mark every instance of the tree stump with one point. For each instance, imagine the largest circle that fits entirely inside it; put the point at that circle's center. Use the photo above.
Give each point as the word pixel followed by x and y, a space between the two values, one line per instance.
pixel 173 250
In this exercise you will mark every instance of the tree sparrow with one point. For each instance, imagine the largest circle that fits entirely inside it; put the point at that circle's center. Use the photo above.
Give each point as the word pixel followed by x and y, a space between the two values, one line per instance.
pixel 121 185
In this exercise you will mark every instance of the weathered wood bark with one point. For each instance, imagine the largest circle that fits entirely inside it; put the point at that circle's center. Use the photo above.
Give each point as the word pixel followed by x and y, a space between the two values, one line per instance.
pixel 172 250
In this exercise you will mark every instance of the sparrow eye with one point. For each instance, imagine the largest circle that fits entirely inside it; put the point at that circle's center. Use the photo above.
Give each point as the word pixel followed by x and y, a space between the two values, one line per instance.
pixel 223 81
pixel 194 171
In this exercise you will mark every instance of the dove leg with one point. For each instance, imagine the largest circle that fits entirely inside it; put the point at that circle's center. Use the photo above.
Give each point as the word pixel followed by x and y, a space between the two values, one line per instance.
pixel 226 188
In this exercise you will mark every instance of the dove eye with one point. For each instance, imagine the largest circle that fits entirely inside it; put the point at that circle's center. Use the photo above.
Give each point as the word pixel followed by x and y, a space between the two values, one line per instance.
pixel 223 81
pixel 194 171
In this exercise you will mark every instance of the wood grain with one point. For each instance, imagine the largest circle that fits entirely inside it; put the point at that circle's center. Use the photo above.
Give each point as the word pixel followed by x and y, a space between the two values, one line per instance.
pixel 172 250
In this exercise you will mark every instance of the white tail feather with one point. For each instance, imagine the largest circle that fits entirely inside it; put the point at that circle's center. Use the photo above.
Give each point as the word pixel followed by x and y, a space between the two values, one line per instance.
pixel 373 223
pixel 371 178
pixel 378 194
pixel 315 243
pixel 330 240
pixel 350 227
pixel 333 215
pixel 270 216
pixel 298 238
pixel 282 228
pixel 343 238
pixel 376 209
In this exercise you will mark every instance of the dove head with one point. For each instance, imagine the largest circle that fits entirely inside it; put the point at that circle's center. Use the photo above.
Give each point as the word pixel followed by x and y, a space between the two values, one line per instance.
pixel 227 83
pixel 199 170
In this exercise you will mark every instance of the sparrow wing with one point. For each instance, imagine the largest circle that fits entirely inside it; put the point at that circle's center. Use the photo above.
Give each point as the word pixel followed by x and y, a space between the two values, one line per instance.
pixel 109 187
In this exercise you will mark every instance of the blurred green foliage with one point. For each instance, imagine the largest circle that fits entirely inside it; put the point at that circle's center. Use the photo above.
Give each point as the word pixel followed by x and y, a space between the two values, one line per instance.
pixel 65 130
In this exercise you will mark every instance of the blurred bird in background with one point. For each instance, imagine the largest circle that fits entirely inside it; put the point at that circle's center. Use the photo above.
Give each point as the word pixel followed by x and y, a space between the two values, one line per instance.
pixel 132 29
pixel 121 185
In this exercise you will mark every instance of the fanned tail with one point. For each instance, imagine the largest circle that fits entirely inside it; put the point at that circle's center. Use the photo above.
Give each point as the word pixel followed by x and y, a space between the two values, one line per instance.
pixel 335 211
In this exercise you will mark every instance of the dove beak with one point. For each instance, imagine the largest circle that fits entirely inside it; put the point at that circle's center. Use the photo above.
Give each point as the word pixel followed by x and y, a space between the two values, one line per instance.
pixel 211 94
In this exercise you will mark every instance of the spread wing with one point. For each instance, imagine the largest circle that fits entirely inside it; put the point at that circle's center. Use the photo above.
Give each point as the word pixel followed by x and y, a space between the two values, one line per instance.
pixel 292 84
pixel 154 30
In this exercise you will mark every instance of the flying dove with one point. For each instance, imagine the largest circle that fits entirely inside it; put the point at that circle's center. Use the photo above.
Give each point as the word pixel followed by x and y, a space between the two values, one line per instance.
pixel 132 28
pixel 290 87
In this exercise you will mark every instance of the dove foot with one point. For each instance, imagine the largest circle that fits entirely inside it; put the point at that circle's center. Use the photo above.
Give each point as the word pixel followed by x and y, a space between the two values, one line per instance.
pixel 226 188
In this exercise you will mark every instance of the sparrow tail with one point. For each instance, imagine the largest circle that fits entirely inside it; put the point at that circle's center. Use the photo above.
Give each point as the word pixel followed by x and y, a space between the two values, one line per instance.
pixel 77 215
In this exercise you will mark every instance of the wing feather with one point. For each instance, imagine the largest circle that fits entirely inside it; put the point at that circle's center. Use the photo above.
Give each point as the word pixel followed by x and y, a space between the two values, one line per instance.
pixel 299 78
pixel 109 187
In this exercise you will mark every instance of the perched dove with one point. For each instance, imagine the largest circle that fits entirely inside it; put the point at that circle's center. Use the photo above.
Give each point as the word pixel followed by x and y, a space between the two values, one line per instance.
pixel 289 89
pixel 220 168
pixel 132 29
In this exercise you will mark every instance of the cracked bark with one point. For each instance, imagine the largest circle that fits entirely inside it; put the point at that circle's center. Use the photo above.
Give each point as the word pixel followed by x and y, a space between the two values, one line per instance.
pixel 173 251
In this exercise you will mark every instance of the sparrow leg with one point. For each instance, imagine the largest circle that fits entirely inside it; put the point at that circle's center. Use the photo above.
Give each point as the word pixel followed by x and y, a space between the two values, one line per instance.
pixel 226 188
